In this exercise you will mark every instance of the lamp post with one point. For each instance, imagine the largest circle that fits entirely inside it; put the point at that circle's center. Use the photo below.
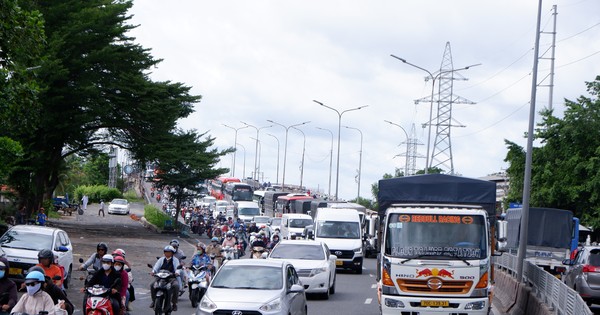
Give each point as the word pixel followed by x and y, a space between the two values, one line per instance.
pixel 244 172
pixel 276 178
pixel 256 146
pixel 303 150
pixel 433 78
pixel 330 158
pixel 235 145
pixel 259 151
pixel 337 172
pixel 407 144
pixel 359 159
pixel 285 146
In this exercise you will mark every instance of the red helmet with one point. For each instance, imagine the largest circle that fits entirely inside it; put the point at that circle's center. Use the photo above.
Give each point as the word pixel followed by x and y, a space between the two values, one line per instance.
pixel 120 259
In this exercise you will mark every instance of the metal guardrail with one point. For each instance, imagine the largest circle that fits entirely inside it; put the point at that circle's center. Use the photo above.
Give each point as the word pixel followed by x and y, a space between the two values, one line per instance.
pixel 549 289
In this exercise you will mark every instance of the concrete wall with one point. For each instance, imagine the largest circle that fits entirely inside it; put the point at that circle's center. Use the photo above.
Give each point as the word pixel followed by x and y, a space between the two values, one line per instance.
pixel 513 298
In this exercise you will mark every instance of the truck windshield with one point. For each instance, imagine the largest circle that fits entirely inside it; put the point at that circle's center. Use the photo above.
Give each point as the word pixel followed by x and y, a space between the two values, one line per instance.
pixel 436 236
pixel 338 229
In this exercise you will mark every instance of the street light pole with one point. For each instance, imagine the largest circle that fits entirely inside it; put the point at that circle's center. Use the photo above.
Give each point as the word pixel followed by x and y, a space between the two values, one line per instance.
pixel 359 159
pixel 285 146
pixel 433 79
pixel 256 146
pixel 244 172
pixel 330 158
pixel 276 178
pixel 407 144
pixel 259 151
pixel 337 175
pixel 303 150
pixel 234 141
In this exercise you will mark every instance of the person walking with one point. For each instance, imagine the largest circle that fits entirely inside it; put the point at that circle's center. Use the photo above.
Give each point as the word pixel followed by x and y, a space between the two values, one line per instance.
pixel 101 208
pixel 84 202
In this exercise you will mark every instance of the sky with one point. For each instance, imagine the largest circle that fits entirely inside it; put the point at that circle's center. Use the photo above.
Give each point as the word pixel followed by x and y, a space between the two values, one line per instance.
pixel 254 61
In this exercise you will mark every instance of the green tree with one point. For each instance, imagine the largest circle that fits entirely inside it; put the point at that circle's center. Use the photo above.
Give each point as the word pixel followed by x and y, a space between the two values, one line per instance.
pixel 96 92
pixel 184 161
pixel 566 168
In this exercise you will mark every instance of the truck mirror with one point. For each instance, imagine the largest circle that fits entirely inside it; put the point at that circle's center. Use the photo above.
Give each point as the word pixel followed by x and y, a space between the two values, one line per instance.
pixel 311 235
pixel 501 231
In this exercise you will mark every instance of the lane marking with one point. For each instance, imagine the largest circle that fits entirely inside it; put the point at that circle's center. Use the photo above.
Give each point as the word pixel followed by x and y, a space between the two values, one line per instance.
pixel 368 301
pixel 373 286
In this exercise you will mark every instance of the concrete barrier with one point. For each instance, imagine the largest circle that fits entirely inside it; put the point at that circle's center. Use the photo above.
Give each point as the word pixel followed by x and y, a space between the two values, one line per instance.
pixel 513 298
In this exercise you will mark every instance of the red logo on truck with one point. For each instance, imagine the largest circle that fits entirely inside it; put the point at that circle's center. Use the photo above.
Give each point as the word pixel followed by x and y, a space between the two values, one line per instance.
pixel 442 273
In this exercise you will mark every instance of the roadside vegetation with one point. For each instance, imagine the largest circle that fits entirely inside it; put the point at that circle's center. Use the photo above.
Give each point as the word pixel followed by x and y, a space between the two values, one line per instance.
pixel 156 216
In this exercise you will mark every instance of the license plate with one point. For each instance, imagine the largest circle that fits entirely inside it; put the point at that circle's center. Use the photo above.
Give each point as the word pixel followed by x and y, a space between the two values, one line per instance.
pixel 426 303
pixel 15 271
pixel 339 263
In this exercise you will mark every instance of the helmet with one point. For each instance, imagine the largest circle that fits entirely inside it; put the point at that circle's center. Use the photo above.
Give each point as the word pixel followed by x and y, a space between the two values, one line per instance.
pixel 169 248
pixel 46 253
pixel 276 236
pixel 119 259
pixel 229 234
pixel 35 276
pixel 102 246
pixel 262 232
pixel 108 258
pixel 36 268
pixel 214 239
pixel 201 245
pixel 119 252
pixel 174 243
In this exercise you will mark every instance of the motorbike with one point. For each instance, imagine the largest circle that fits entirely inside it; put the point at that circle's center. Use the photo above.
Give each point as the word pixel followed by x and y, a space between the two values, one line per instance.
pixel 162 286
pixel 229 253
pixel 98 301
pixel 197 282
pixel 201 227
pixel 257 252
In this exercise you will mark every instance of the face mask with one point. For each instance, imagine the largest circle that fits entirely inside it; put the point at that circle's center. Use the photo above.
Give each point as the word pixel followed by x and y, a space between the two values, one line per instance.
pixel 118 268
pixel 105 266
pixel 2 272
pixel 31 290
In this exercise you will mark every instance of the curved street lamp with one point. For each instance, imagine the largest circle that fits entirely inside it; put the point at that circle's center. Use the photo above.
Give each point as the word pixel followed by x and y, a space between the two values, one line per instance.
pixel 244 172
pixel 330 158
pixel 359 159
pixel 256 146
pixel 337 172
pixel 276 178
pixel 433 79
pixel 407 140
pixel 235 151
pixel 287 128
pixel 259 152
pixel 303 150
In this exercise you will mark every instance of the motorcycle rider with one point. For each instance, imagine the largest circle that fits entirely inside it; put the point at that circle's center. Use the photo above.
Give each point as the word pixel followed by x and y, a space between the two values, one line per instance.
pixel 54 291
pixel 36 300
pixel 229 240
pixel 46 259
pixel 214 248
pixel 130 295
pixel 259 242
pixel 202 259
pixel 119 265
pixel 181 277
pixel 273 242
pixel 170 263
pixel 8 287
pixel 108 277
pixel 95 259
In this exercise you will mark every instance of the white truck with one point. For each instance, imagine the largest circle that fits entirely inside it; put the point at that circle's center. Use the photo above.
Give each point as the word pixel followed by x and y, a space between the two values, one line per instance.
pixel 435 248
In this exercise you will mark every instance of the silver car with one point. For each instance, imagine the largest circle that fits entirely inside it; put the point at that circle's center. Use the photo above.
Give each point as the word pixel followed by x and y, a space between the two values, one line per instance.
pixel 583 275
pixel 120 206
pixel 254 286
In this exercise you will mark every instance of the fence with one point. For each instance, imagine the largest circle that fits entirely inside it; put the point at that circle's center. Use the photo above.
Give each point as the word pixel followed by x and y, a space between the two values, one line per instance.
pixel 550 290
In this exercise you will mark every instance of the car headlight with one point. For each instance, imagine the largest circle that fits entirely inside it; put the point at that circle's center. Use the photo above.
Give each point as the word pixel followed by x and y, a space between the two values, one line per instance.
pixel 274 305
pixel 358 250
pixel 207 304
pixel 317 271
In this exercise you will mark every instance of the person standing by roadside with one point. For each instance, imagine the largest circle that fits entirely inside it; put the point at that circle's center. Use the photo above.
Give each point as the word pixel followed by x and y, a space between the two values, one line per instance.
pixel 101 208
pixel 84 202
pixel 42 217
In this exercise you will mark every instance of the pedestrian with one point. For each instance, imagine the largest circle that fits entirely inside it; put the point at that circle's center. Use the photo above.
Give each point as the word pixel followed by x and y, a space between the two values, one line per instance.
pixel 101 208
pixel 84 202
pixel 21 214
pixel 42 217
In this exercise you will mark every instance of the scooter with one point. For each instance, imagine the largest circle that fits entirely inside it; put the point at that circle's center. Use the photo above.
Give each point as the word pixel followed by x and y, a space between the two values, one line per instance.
pixel 98 301
pixel 162 287
pixel 228 253
pixel 257 252
pixel 197 282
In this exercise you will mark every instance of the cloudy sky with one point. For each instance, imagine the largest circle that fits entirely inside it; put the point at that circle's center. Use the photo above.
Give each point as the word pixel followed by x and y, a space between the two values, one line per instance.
pixel 254 61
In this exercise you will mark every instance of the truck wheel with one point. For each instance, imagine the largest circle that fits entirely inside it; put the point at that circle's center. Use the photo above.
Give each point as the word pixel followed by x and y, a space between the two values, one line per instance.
pixel 359 270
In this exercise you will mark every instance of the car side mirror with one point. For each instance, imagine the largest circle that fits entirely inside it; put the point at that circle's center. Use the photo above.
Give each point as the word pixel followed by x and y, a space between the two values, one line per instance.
pixel 334 257
pixel 63 249
pixel 296 288
pixel 568 262
pixel 311 235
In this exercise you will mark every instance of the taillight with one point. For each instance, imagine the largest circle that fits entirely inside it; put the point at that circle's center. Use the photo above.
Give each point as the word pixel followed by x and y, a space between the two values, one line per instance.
pixel 590 268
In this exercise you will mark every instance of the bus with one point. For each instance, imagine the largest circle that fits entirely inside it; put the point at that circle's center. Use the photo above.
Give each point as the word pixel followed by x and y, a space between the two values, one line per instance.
pixel 217 186
pixel 238 191
pixel 284 203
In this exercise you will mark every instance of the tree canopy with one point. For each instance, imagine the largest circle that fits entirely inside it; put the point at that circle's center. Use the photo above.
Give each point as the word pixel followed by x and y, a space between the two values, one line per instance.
pixel 566 167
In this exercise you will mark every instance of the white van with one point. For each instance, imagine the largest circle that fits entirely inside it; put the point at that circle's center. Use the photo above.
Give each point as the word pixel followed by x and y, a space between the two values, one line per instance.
pixel 293 224
pixel 341 230
pixel 246 211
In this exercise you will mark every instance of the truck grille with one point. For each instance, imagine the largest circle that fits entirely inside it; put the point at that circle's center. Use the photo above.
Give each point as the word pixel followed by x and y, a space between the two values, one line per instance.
pixel 230 312
pixel 448 287
pixel 345 254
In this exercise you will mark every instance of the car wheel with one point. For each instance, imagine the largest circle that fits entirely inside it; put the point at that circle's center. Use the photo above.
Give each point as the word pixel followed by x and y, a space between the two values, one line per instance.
pixel 68 278
pixel 325 295
pixel 332 288
pixel 358 269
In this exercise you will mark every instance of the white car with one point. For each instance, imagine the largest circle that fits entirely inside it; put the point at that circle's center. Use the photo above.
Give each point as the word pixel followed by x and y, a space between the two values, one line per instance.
pixel 22 243
pixel 120 206
pixel 313 263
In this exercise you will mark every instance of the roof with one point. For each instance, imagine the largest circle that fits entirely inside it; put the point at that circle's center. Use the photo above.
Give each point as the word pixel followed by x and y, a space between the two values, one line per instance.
pixel 301 242
pixel 255 262
pixel 35 229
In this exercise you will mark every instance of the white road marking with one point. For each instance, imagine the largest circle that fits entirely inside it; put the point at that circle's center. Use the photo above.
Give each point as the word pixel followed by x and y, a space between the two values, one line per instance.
pixel 368 301
pixel 373 286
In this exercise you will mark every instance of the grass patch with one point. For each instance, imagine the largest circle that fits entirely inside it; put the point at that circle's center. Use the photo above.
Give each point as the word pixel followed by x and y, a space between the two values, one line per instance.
pixel 132 196
pixel 156 216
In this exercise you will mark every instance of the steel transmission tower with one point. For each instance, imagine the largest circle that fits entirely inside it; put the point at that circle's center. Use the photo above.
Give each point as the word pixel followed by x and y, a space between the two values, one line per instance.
pixel 413 142
pixel 441 155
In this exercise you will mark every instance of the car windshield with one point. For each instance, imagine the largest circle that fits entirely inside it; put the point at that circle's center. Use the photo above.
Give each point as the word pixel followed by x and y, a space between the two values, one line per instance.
pixel 300 223
pixel 248 277
pixel 261 219
pixel 248 211
pixel 26 240
pixel 119 201
pixel 594 258
pixel 338 229
pixel 276 221
pixel 290 251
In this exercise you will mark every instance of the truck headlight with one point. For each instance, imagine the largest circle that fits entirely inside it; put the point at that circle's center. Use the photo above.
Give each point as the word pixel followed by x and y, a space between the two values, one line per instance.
pixel 358 250
pixel 475 306
pixel 393 303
